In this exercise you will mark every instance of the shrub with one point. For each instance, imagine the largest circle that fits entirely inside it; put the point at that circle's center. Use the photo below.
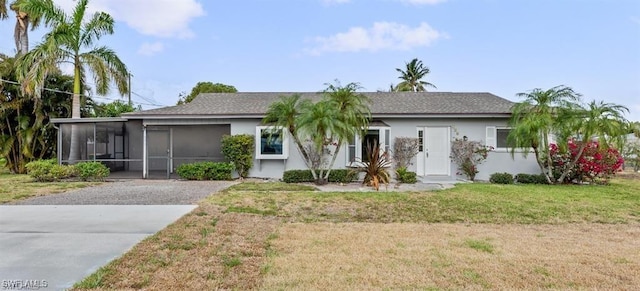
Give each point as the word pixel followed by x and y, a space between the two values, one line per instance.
pixel 49 170
pixel 404 149
pixel 501 178
pixel 595 162
pixel 468 154
pixel 238 149
pixel 342 176
pixel 297 176
pixel 405 176
pixel 531 178
pixel 375 169
pixel 205 171
pixel 305 176
pixel 96 171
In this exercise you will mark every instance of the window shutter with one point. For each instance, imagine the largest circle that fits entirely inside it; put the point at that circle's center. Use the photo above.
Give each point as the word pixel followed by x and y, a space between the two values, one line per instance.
pixel 351 152
pixel 491 136
pixel 387 141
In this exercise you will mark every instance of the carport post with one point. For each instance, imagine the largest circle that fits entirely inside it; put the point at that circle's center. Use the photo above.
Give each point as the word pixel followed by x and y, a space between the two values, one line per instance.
pixel 144 151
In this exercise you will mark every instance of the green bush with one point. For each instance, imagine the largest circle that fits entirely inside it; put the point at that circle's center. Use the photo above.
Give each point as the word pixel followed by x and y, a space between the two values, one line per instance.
pixel 297 176
pixel 95 171
pixel 501 178
pixel 305 176
pixel 342 176
pixel 531 179
pixel 205 171
pixel 405 176
pixel 238 149
pixel 49 170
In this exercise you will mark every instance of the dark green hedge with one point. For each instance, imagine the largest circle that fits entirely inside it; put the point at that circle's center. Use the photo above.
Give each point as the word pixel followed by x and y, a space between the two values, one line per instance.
pixel 531 179
pixel 206 171
pixel 305 176
pixel 501 178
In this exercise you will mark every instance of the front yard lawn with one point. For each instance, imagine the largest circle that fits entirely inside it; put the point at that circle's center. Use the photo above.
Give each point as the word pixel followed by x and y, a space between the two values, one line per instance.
pixel 618 202
pixel 15 187
pixel 272 236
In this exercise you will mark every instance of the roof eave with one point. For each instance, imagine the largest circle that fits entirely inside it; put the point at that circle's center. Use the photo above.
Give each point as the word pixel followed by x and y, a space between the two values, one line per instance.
pixel 88 120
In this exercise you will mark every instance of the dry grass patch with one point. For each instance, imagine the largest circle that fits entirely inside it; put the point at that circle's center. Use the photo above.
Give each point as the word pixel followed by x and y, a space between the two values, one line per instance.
pixel 203 250
pixel 350 256
pixel 14 187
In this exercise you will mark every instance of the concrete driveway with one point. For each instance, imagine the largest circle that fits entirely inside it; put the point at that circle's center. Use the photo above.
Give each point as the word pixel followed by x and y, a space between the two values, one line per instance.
pixel 57 245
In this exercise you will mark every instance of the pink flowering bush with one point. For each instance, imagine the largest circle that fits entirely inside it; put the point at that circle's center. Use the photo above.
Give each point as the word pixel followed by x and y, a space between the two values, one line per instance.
pixel 468 154
pixel 595 163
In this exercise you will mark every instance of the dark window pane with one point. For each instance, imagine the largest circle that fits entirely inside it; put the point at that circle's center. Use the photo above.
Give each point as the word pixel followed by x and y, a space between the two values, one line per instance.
pixel 502 134
pixel 271 142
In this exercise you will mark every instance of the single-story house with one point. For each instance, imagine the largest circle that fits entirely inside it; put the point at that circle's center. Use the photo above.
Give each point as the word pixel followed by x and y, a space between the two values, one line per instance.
pixel 155 142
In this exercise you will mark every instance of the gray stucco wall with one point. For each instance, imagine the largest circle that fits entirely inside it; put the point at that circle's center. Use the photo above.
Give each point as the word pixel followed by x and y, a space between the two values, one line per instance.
pixel 474 129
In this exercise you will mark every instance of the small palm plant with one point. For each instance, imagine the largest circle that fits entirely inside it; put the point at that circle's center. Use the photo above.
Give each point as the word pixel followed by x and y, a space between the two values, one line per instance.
pixel 375 168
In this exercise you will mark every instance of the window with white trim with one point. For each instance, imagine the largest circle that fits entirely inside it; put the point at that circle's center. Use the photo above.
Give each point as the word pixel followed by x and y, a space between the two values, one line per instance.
pixel 497 137
pixel 357 147
pixel 271 143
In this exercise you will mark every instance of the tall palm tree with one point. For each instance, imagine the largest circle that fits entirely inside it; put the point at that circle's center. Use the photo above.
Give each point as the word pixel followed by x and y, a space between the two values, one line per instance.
pixel 24 19
pixel 534 119
pixel 412 77
pixel 72 40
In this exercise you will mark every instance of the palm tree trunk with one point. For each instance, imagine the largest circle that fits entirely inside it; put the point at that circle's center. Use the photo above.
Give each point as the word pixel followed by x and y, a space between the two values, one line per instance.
pixel 305 155
pixel 333 159
pixel 572 163
pixel 21 33
pixel 74 149
pixel 540 164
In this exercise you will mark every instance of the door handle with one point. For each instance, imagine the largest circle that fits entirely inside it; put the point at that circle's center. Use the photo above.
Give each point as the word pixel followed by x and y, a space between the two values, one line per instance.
pixel 426 153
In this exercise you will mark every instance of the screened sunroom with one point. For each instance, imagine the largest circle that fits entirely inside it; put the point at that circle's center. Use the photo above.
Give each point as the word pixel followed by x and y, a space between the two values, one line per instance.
pixel 138 148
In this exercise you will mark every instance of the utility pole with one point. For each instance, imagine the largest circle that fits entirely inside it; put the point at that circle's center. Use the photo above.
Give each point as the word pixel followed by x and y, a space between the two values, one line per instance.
pixel 129 89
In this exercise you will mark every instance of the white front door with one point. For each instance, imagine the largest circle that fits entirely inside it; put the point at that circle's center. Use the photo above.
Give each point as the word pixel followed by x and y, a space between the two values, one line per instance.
pixel 433 156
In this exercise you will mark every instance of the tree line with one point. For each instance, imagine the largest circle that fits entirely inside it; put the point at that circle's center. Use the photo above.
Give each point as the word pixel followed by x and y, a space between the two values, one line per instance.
pixel 33 88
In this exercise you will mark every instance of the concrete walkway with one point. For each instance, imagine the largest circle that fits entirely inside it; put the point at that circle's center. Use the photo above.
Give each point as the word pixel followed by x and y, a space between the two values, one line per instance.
pixel 58 245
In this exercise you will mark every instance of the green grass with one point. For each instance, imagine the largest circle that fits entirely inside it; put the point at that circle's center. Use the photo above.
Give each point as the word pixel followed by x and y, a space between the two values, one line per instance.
pixel 14 187
pixel 618 202
pixel 480 245
pixel 270 186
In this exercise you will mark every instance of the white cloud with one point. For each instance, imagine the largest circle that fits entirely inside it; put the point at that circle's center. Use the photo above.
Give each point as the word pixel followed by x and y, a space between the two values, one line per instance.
pixel 423 2
pixel 150 49
pixel 381 36
pixel 161 18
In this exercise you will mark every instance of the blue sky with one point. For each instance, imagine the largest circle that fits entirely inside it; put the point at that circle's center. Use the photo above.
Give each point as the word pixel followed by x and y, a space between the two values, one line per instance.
pixel 498 46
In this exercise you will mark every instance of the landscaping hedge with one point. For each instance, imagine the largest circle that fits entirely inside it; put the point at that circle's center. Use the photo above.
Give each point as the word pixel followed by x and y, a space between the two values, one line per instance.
pixel 405 176
pixel 206 171
pixel 523 178
pixel 92 171
pixel 49 170
pixel 501 178
pixel 305 176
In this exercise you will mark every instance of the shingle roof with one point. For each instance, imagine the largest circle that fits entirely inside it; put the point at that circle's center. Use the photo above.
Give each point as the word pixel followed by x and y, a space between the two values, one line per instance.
pixel 383 103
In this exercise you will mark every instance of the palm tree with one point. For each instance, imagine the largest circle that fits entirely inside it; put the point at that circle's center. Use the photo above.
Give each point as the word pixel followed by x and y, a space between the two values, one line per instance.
pixel 72 40
pixel 412 77
pixel 598 120
pixel 533 120
pixel 24 19
pixel 284 113
pixel 352 115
